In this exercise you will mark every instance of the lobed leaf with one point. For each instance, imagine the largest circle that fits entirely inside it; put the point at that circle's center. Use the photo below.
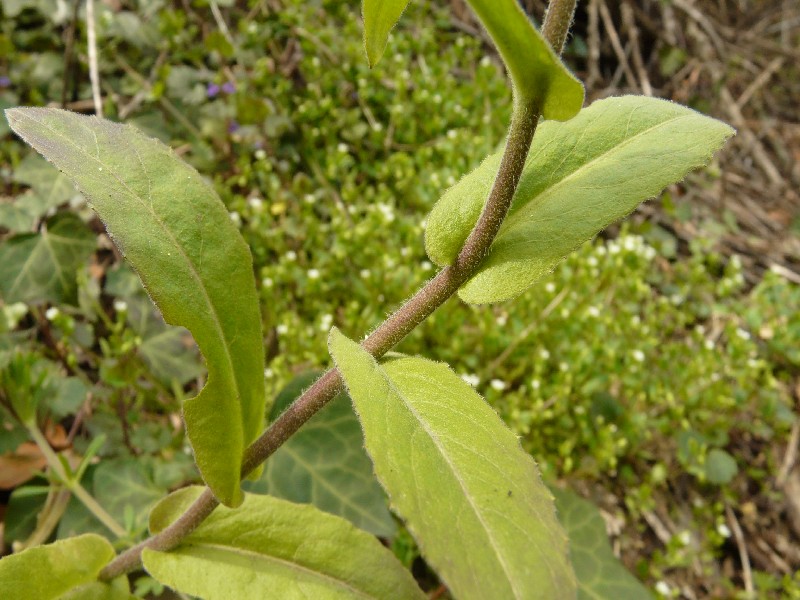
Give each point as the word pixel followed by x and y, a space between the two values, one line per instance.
pixel 42 267
pixel 271 548
pixel 470 495
pixel 539 76
pixel 579 177
pixel 600 574
pixel 379 18
pixel 48 572
pixel 325 464
pixel 176 233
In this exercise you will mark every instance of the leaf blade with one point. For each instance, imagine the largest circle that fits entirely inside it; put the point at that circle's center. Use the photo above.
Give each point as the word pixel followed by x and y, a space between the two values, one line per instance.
pixel 47 572
pixel 538 74
pixel 420 422
pixel 292 550
pixel 579 177
pixel 380 16
pixel 175 231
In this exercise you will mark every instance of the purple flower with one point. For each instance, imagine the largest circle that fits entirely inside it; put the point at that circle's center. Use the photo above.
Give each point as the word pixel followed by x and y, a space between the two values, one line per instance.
pixel 228 87
pixel 4 82
pixel 212 90
pixel 233 126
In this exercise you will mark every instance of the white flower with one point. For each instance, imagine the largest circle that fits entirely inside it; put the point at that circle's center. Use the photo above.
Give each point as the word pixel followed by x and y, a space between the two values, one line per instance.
pixel 662 587
pixel 486 61
pixel 260 154
pixel 291 255
pixel 498 384
pixel 309 199
pixel 236 218
pixel 743 334
pixel 592 261
pixel 709 344
pixel 437 99
pixel 255 203
pixel 613 248
pixel 544 354
pixel 282 329
pixel 426 265
pixel 593 311
pixel 563 366
pixel 535 384
pixel 685 537
pixel 267 282
pixel 638 355
pixel 51 313
pixel 342 147
pixel 364 273
pixel 313 274
pixel 452 134
pixel 268 373
pixel 723 530
pixel 550 287
pixel 502 319
pixel 325 322
pixel 471 379
pixel 120 305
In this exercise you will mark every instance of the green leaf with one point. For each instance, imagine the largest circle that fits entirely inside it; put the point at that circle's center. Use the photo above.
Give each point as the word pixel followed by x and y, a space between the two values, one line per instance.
pixel 46 572
pixel 538 74
pixel 325 464
pixel 379 18
pixel 271 548
pixel 125 485
pixel 580 177
pixel 42 267
pixel 49 188
pixel 99 591
pixel 470 495
pixel 176 233
pixel 600 574
pixel 720 467
pixel 169 357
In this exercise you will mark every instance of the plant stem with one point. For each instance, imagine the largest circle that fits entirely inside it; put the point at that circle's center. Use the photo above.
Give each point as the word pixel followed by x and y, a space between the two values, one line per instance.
pixel 73 486
pixel 431 296
pixel 556 24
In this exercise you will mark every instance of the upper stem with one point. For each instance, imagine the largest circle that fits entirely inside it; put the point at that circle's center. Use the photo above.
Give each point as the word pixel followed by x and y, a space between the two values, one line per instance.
pixel 397 326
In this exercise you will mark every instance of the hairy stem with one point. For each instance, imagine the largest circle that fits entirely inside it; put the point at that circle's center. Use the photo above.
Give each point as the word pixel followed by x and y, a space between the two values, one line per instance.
pixel 556 24
pixel 413 312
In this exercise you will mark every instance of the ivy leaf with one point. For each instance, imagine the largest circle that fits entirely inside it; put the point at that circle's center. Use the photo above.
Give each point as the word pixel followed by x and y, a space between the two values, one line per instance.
pixel 42 267
pixel 124 485
pixel 325 464
pixel 579 177
pixel 600 575
pixel 379 18
pixel 273 548
pixel 49 187
pixel 48 572
pixel 538 74
pixel 470 495
pixel 176 233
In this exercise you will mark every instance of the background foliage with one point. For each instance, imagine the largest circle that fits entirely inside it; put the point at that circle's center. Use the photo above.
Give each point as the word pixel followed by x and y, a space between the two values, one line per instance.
pixel 655 376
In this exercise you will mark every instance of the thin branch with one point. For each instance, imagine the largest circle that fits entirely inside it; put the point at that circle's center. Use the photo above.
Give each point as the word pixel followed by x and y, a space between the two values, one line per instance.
pixel 94 74
pixel 397 326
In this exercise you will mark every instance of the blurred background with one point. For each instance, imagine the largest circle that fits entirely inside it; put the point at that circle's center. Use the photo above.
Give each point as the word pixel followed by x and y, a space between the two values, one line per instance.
pixel 655 373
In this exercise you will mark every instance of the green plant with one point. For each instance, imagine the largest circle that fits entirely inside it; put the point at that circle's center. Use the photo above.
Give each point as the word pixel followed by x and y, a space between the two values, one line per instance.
pixel 436 446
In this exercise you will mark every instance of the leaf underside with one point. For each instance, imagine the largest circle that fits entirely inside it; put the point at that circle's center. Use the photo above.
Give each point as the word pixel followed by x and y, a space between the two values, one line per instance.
pixel 470 495
pixel 271 548
pixel 175 232
pixel 580 176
